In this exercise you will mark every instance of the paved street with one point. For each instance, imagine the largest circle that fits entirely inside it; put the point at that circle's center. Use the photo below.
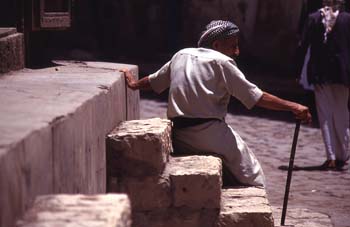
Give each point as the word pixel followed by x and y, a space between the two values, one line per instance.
pixel 317 198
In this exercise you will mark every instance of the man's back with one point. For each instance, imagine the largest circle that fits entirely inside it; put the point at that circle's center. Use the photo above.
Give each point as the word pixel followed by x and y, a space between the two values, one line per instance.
pixel 202 81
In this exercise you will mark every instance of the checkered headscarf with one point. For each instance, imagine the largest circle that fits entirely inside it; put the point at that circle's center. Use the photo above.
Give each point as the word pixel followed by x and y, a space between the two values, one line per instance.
pixel 329 18
pixel 216 29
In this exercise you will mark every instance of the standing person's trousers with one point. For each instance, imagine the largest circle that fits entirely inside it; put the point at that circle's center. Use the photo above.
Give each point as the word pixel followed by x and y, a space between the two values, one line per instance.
pixel 333 115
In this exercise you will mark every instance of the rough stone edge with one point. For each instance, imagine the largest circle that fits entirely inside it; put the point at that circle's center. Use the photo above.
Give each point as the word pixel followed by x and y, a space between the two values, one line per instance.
pixel 114 210
pixel 16 43
pixel 20 205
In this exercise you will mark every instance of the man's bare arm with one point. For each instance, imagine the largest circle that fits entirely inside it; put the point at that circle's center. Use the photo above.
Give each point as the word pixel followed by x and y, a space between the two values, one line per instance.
pixel 272 102
pixel 142 84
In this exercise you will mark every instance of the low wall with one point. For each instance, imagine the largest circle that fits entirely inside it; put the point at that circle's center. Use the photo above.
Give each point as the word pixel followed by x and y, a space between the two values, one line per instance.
pixel 53 124
pixel 11 50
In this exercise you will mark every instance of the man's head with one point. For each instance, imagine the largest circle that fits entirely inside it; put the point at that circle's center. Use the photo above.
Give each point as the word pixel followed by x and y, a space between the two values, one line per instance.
pixel 221 36
pixel 335 4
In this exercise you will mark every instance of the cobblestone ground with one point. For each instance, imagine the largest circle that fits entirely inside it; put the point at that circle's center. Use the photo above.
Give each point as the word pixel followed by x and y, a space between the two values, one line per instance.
pixel 317 198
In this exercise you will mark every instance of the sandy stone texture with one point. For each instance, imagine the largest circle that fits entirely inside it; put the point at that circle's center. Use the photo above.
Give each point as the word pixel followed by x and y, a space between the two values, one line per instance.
pixel 147 193
pixel 11 50
pixel 245 207
pixel 196 181
pixel 139 148
pixel 110 210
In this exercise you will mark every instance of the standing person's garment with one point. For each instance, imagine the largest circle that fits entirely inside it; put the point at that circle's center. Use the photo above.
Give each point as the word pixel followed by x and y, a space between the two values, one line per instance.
pixel 328 35
pixel 201 82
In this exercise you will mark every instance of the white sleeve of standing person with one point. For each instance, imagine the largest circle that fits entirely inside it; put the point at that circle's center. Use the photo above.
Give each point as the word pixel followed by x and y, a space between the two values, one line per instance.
pixel 303 77
pixel 160 80
pixel 239 87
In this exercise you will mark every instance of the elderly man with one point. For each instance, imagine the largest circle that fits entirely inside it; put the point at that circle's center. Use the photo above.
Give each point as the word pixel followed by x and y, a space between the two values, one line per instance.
pixel 201 81
pixel 327 35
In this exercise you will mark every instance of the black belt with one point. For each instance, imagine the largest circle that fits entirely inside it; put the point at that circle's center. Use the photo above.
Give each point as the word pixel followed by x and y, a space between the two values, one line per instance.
pixel 184 122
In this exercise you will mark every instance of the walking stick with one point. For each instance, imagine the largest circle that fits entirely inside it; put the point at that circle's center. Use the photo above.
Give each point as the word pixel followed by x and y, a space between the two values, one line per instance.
pixel 290 170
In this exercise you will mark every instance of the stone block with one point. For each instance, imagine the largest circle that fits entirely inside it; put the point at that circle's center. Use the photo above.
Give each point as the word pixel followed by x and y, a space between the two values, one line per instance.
pixel 11 52
pixel 245 207
pixel 147 193
pixel 79 139
pixel 132 97
pixel 196 181
pixel 175 217
pixel 38 159
pixel 109 210
pixel 12 185
pixel 53 133
pixel 139 148
pixel 6 31
pixel 21 173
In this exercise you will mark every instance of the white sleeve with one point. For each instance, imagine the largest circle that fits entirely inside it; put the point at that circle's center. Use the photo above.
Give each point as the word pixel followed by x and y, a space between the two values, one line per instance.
pixel 239 87
pixel 160 80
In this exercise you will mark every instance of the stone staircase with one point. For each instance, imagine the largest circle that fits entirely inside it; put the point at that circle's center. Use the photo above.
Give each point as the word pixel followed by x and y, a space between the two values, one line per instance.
pixel 176 191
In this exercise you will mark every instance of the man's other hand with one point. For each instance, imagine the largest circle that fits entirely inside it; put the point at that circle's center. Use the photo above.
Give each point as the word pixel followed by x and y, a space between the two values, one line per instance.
pixel 302 113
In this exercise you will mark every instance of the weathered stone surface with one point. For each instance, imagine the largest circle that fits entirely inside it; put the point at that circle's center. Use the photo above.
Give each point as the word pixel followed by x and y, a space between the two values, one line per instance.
pixel 11 52
pixel 12 190
pixel 139 147
pixel 53 130
pixel 21 173
pixel 245 207
pixel 132 110
pixel 7 31
pixel 146 193
pixel 132 97
pixel 196 181
pixel 109 210
pixel 176 217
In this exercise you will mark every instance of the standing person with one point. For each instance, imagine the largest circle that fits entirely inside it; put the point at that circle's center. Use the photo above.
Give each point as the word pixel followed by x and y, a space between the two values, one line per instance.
pixel 201 81
pixel 327 33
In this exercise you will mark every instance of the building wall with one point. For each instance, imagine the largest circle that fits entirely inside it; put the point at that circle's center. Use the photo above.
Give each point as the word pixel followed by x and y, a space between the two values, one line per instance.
pixel 113 29
pixel 7 13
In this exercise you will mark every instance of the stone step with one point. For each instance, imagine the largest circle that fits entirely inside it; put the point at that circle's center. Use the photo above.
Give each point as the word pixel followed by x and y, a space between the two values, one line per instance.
pixel 176 217
pixel 192 182
pixel 139 148
pixel 196 181
pixel 109 210
pixel 245 207
pixel 240 207
pixel 145 193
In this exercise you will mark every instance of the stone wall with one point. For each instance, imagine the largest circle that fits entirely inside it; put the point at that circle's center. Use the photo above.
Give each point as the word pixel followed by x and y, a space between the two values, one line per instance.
pixel 53 124
pixel 11 50
pixel 150 29
pixel 268 27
